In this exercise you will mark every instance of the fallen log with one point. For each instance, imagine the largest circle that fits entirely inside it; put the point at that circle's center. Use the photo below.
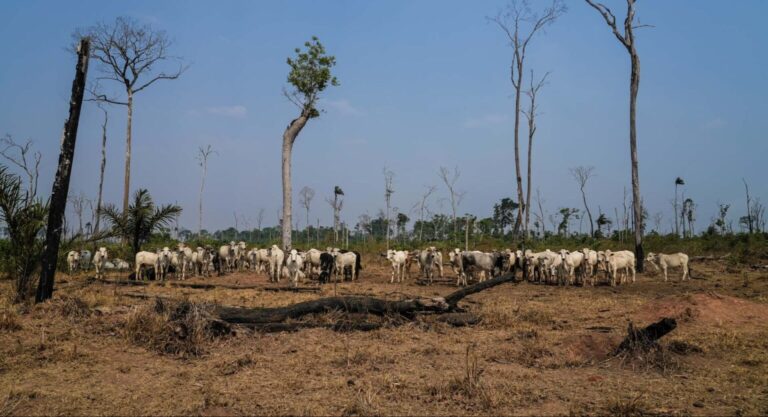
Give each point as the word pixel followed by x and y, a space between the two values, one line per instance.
pixel 355 304
pixel 646 338
pixel 293 289
pixel 344 326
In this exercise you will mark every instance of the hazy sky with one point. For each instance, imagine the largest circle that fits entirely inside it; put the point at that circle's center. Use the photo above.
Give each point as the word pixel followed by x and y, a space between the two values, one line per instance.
pixel 423 84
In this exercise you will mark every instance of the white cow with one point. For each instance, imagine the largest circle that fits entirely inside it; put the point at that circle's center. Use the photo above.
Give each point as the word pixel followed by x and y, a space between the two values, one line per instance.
pixel 624 260
pixel 276 257
pixel 149 259
pixel 73 261
pixel 226 257
pixel 185 253
pixel 590 264
pixel 164 261
pixel 397 259
pixel 572 265
pixel 201 260
pixel 85 259
pixel 346 259
pixel 454 258
pixel 121 265
pixel 294 263
pixel 312 259
pixel 99 261
pixel 673 260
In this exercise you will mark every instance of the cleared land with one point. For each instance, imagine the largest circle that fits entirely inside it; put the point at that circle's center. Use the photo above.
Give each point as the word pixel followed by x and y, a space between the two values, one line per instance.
pixel 538 350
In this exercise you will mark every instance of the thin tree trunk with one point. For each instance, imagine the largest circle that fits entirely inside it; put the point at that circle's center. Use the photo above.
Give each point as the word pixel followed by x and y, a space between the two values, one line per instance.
pixel 589 213
pixel 200 207
pixel 60 190
pixel 518 174
pixel 291 132
pixel 636 200
pixel 127 180
pixel 101 172
pixel 677 224
pixel 749 209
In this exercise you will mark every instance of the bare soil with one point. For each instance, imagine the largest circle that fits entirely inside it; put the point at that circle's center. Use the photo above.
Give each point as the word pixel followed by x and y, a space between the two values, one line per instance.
pixel 538 350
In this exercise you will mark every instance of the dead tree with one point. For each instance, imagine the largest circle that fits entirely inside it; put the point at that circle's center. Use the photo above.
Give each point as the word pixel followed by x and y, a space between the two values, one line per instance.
pixel 128 53
pixel 582 175
pixel 307 194
pixel 678 182
pixel 27 159
pixel 102 167
pixel 336 204
pixel 627 39
pixel 202 160
pixel 750 223
pixel 519 23
pixel 456 196
pixel 530 114
pixel 78 204
pixel 422 207
pixel 264 318
pixel 60 190
pixel 541 213
pixel 388 191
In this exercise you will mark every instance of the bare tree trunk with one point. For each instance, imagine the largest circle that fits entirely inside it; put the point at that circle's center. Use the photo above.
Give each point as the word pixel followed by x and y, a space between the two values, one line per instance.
pixel 518 174
pixel 291 132
pixel 749 207
pixel 637 201
pixel 61 183
pixel 589 213
pixel 677 223
pixel 200 207
pixel 101 171
pixel 127 180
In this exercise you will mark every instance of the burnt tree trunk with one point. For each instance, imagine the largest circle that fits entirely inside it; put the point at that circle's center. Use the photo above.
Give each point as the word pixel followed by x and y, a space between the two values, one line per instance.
pixel 61 182
pixel 647 337
pixel 355 304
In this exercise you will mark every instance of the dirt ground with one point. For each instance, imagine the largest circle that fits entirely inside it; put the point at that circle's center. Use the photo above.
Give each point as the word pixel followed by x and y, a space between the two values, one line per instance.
pixel 538 350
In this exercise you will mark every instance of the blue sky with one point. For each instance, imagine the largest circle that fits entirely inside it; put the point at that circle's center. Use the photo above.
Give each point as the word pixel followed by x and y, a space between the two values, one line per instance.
pixel 423 84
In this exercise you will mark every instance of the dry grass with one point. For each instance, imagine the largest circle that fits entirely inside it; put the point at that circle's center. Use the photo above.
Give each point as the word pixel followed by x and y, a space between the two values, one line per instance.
pixel 538 350
pixel 182 328
pixel 9 320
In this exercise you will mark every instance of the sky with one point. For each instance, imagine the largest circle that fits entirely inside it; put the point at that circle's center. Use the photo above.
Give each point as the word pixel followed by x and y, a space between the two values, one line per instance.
pixel 423 84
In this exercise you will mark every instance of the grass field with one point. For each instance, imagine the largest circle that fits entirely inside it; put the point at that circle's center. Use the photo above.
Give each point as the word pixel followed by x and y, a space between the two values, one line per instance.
pixel 538 350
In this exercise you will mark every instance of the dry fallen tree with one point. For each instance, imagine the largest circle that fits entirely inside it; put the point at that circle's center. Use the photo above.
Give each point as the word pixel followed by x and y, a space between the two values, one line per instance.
pixel 276 318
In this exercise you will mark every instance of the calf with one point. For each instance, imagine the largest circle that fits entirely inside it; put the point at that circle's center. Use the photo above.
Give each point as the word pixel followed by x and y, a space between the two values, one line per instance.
pixel 73 261
pixel 397 259
pixel 276 257
pixel 571 264
pixel 99 262
pixel 673 260
pixel 620 260
pixel 294 263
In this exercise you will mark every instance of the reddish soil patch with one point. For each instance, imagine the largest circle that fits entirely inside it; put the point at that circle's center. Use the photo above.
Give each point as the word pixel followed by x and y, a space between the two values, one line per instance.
pixel 705 309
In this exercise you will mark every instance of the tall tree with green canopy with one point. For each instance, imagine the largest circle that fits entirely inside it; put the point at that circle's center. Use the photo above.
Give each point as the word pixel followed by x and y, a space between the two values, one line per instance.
pixel 310 75
pixel 141 219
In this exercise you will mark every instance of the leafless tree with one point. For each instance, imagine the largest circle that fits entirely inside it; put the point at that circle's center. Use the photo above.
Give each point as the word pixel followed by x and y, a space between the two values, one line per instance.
pixel 449 179
pixel 307 194
pixel 259 219
pixel 129 53
pixel 60 189
pixel 337 203
pixel 530 115
pixel 422 207
pixel 24 157
pixel 750 223
pixel 627 39
pixel 389 189
pixel 582 175
pixel 78 204
pixel 519 23
pixel 102 167
pixel 658 217
pixel 540 219
pixel 203 153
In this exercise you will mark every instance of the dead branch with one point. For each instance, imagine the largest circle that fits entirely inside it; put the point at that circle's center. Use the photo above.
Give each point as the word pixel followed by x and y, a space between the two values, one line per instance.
pixel 646 338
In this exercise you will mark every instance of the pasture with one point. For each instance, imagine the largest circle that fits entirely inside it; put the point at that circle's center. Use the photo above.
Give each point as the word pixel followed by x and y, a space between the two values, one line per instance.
pixel 539 349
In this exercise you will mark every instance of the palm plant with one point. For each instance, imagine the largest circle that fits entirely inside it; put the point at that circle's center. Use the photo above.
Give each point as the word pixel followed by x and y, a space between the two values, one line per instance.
pixel 140 220
pixel 25 217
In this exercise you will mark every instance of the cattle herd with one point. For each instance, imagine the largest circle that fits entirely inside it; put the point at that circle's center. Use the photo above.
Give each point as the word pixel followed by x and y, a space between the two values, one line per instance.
pixel 564 267
pixel 548 267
